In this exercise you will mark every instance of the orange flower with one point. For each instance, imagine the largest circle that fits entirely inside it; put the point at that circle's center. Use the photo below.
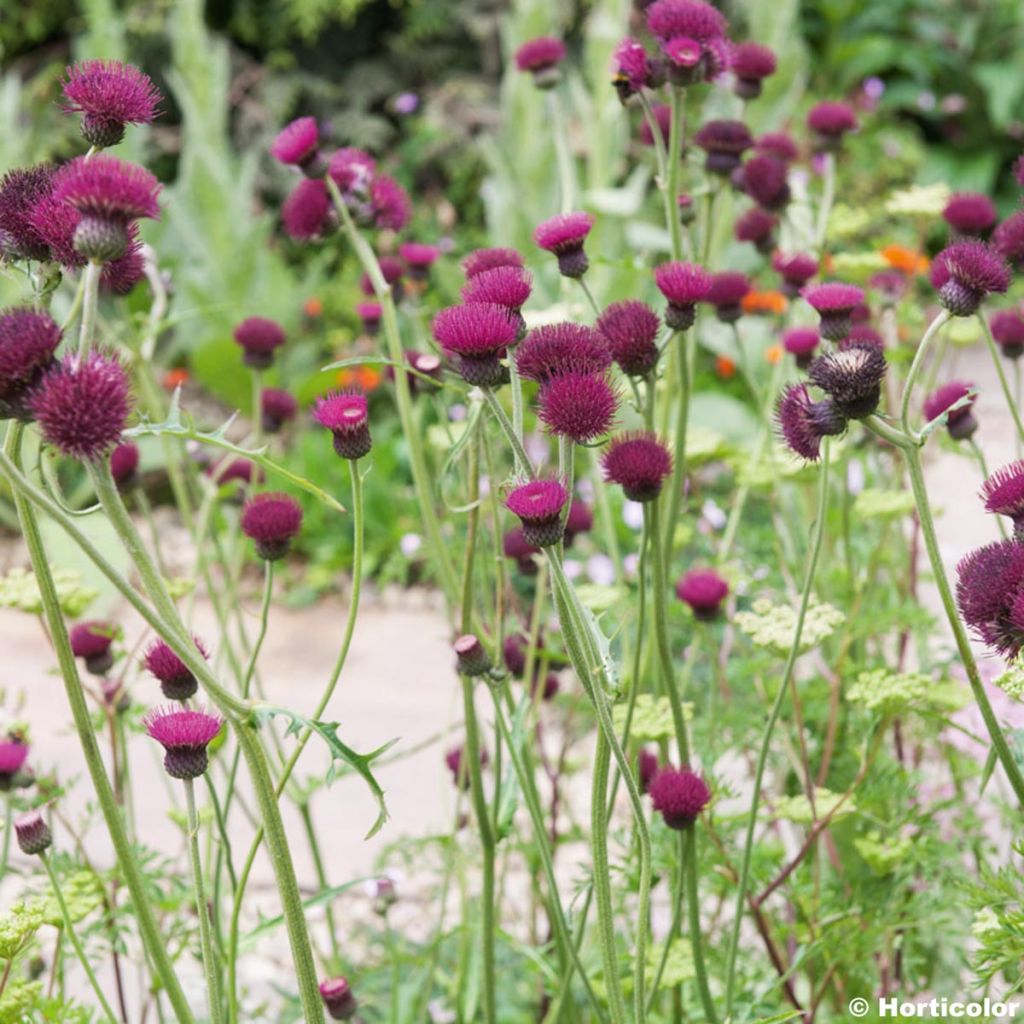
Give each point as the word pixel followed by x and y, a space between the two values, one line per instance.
pixel 724 367
pixel 908 261
pixel 313 307
pixel 773 354
pixel 175 378
pixel 365 378
pixel 765 302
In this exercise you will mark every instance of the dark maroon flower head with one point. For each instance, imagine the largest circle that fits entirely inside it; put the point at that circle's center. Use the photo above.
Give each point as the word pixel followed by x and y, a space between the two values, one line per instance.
pixel 538 505
pixel 751 63
pixel 547 687
pixel 107 194
pixel 802 423
pixel 830 121
pixel 307 213
pixel 961 422
pixel 646 768
pixel 1008 239
pixel 852 377
pixel 778 145
pixel 678 796
pixel 541 57
pixel 663 119
pixel 631 68
pixel 964 273
pixel 704 591
pixel 765 181
pixel 120 276
pixel 579 519
pixel 184 734
pixel 392 208
pixel 503 286
pixel 347 416
pixel 795 270
pixel 969 213
pixel 352 170
pixel 418 257
pixel 338 999
pixel 28 341
pixel 514 650
pixel 515 545
pixel 862 334
pixel 724 142
pixel 259 338
pixel 82 405
pixel 369 314
pixel 471 657
pixel 277 408
pixel 683 285
pixel 834 302
pixel 109 95
pixel 1003 493
pixel 801 342
pixel 578 405
pixel 21 191
pixel 56 223
pixel 13 755
pixel 564 236
pixel 989 589
pixel 639 463
pixel 478 335
pixel 271 520
pixel 757 226
pixel 298 143
pixel 1008 331
pixel 553 349
pixel 32 832
pixel 91 641
pixel 630 327
pixel 177 681
pixel 488 259
pixel 124 464
pixel 726 295
pixel 460 773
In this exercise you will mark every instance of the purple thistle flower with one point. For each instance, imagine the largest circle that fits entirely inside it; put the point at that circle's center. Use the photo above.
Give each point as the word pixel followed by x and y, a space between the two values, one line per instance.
pixel 553 349
pixel 704 591
pixel 663 119
pixel 28 341
pixel 347 416
pixel 120 276
pixel 726 295
pixel 961 422
pixel 564 236
pixel 82 405
pixel 184 735
pixel 639 463
pixel 369 314
pixel 830 121
pixel 108 194
pixel 91 641
pixel 21 191
pixel 632 68
pixel 479 336
pixel 1003 493
pixel 277 408
pixel 851 377
pixel 109 95
pixel 538 506
pixel 259 339
pixel 989 588
pixel 683 285
pixel 481 260
pixel 578 405
pixel 724 142
pixel 13 755
pixel 692 35
pixel 32 832
pixel 298 144
pixel 124 464
pixel 516 646
pixel 460 773
pixel 630 328
pixel 508 287
pixel 541 57
pixel 795 270
pixel 862 334
pixel 271 520
pixel 778 145
pixel 765 181
pixel 177 681
pixel 419 258
pixel 1008 332
pixel 969 213
pixel 471 656
pixel 678 796
pixel 307 213
pixel 392 269
pixel 757 226
pixel 579 519
pixel 1008 239
pixel 646 768
pixel 802 423
pixel 392 208
pixel 338 999
pixel 965 272
pixel 751 63
pixel 56 223
pixel 514 545
pixel 352 170
pixel 801 342
pixel 834 302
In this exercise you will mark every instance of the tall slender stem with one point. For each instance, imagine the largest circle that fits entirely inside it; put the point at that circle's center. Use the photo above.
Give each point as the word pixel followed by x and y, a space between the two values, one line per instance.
pixel 1011 400
pixel 677 481
pixel 689 842
pixel 566 171
pixel 915 367
pixel 519 455
pixel 674 159
pixel 90 295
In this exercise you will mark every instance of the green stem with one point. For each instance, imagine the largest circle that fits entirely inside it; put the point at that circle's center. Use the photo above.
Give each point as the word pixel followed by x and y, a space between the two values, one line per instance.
pixel 689 841
pixel 522 460
pixel 90 296
pixel 674 161
pixel 1013 404
pixel 566 172
pixel 677 481
pixel 915 368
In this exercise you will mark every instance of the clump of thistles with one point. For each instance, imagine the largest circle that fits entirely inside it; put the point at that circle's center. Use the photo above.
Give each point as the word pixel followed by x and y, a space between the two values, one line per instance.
pixel 553 349
pixel 1003 493
pixel 91 641
pixel 578 405
pixel 969 213
pixel 630 328
pixel 990 595
pixel 177 681
pixel 259 339
pixel 801 343
pixel 724 142
pixel 964 273
pixel 564 236
pixel 851 377
pixel 683 285
pixel 338 999
pixel 471 656
pixel 834 302
pixel 960 422
pixel 478 335
pixel 298 144
pixel 727 292
pixel 347 416
pixel 639 463
pixel 802 423
pixel 704 591
pixel 32 833
pixel 277 408
pixel 541 57
pixel 28 341
pixel 82 405
pixel 538 505
pixel 1008 332
pixel 109 95
pixel 184 735
pixel 830 122
pixel 678 795
pixel 751 63
pixel 271 520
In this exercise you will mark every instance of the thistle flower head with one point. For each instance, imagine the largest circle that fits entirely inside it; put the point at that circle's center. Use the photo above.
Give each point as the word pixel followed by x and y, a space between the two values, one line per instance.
pixel 82 405
pixel 961 422
pixel 801 342
pixel 109 95
pixel 392 208
pixel 489 259
pixel 851 377
pixel 460 773
pixel 669 19
pixel 471 656
pixel 553 349
pixel 778 145
pixel 795 270
pixel 56 223
pixel 639 463
pixel 369 314
pixel 391 269
pixel 28 341
pixel 678 796
pixel 663 119
pixel 538 506
pixel 964 273
pixel 564 236
pixel 271 520
pixel 830 121
pixel 834 302
pixel 1003 493
pixel 338 999
pixel 177 681
pixel 352 170
pixel 21 191
pixel 989 589
pixel 478 334
pixel 121 275
pixel 802 423
pixel 259 338
pixel 347 416
pixel 683 285
pixel 124 464
pixel 541 57
pixel 1008 239
pixel 306 212
pixel 503 286
pixel 578 405
pixel 757 226
pixel 515 545
pixel 631 68
pixel 724 142
pixel 765 181
pixel 726 295
pixel 1008 331
pixel 751 63
pixel 646 768
pixel 630 328
pixel 32 833
pixel 277 407
pixel 863 334
pixel 297 143
pixel 184 735
pixel 419 257
pixel 91 641
pixel 704 591
pixel 969 213
pixel 13 755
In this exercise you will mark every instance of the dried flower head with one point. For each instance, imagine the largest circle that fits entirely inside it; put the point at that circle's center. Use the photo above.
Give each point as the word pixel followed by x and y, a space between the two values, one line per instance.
pixel 177 681
pixel 347 416
pixel 184 735
pixel 751 63
pixel 795 270
pixel 541 57
pixel 538 505
pixel 564 236
pixel 765 180
pixel 960 421
pixel 298 144
pixel 21 192
pixel 307 212
pixel 852 377
pixel 82 405
pixel 639 463
pixel 1008 331
pixel 630 328
pixel 989 589
pixel 802 422
pixel 553 349
pixel 801 342
pixel 277 408
pixel 28 341
pixel 578 405
pixel 479 336
pixel 678 796
pixel 757 226
pixel 91 641
pixel 259 339
pixel 338 999
pixel 683 285
pixel 704 591
pixel 964 273
pixel 32 832
pixel 271 520
pixel 728 290
pixel 829 122
pixel 109 95
pixel 724 142
pixel 1008 239
pixel 969 213
pixel 489 259
pixel 1003 493
pixel 471 656
pixel 834 302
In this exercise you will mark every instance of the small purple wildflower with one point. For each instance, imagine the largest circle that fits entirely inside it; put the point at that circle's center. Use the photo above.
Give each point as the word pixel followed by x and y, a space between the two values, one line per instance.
pixel 184 735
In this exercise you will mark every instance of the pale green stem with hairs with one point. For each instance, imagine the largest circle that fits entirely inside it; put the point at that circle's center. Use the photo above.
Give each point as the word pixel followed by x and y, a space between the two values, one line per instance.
pixel 90 297
pixel 1011 400
pixel 566 171
pixel 915 368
